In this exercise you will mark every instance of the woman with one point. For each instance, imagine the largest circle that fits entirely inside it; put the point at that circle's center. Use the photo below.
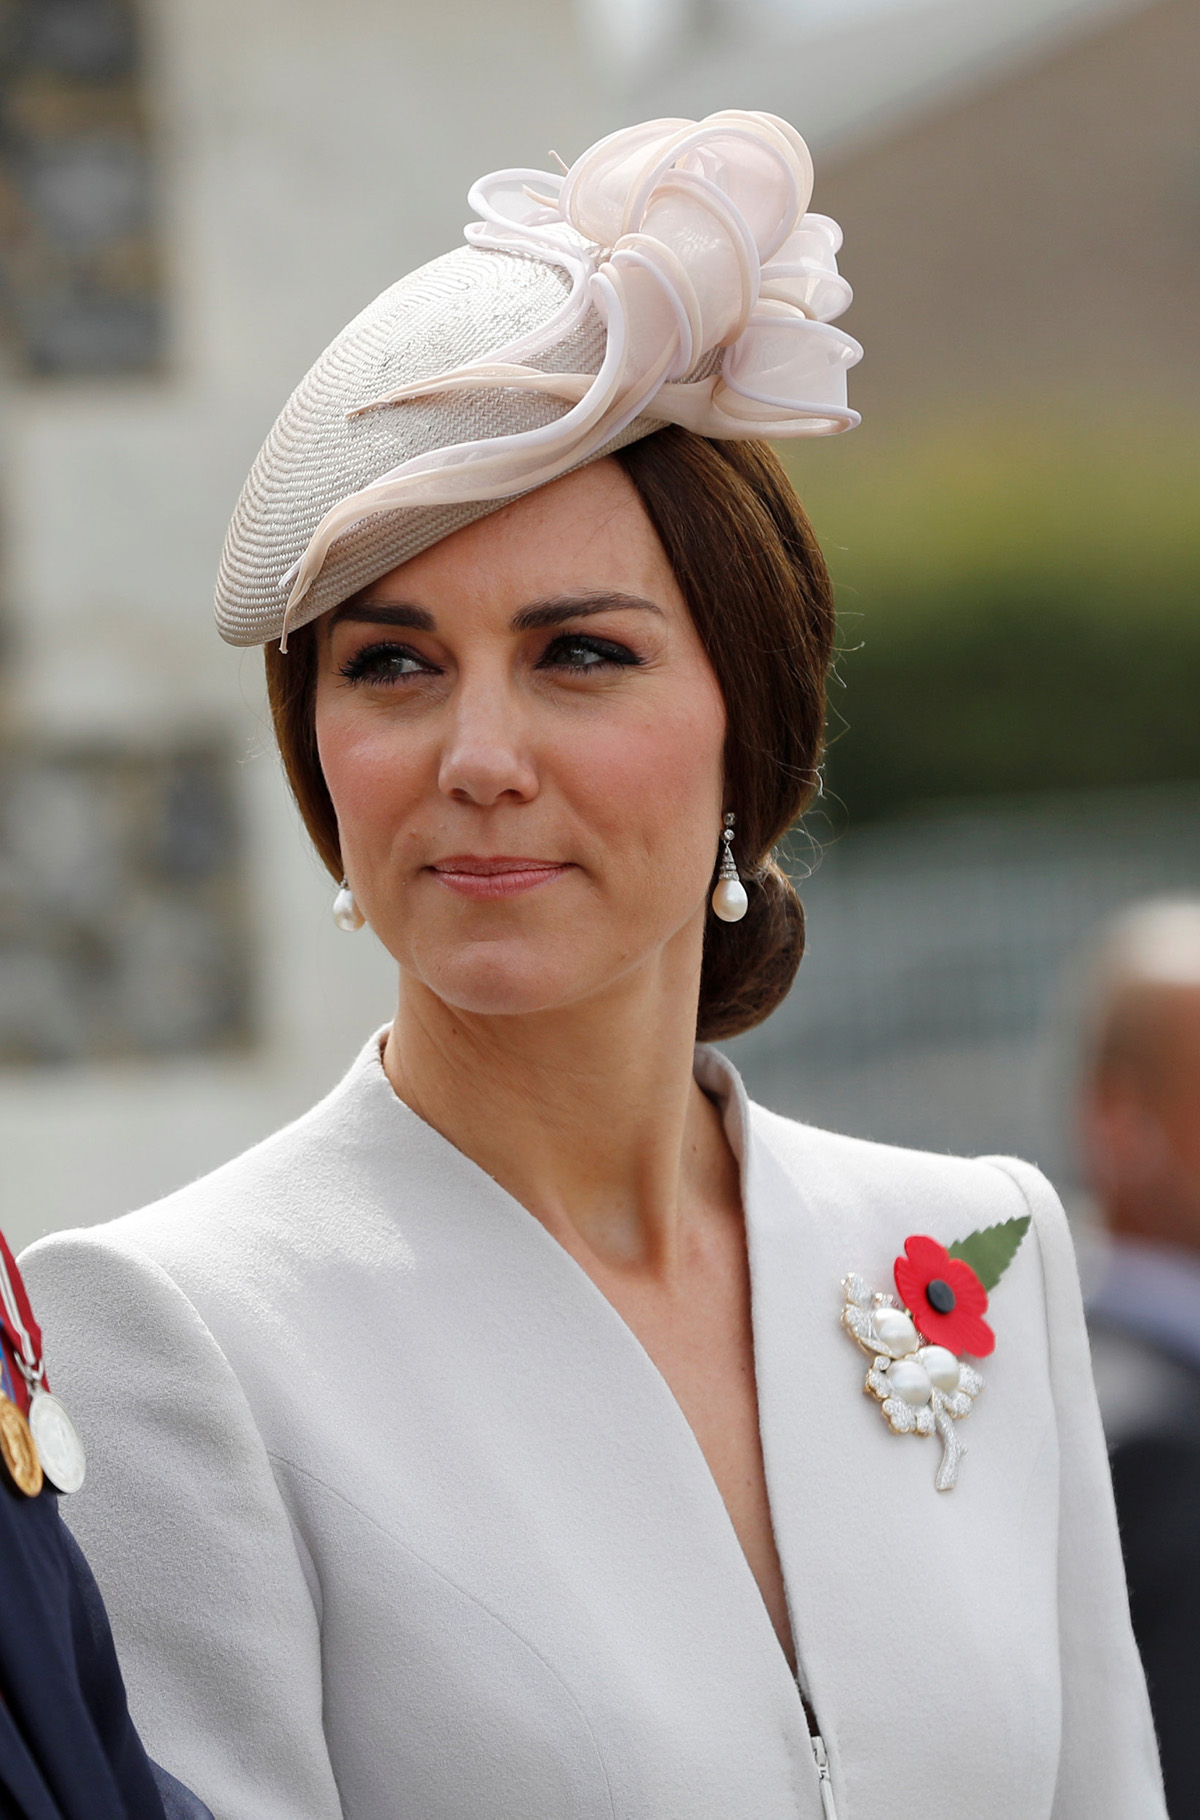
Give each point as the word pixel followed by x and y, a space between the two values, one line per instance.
pixel 498 1426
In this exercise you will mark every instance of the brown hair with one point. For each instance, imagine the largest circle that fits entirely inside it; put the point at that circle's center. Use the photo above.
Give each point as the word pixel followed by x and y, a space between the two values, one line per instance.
pixel 755 582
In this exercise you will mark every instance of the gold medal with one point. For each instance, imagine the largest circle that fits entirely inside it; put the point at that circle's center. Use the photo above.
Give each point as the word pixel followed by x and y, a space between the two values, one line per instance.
pixel 18 1450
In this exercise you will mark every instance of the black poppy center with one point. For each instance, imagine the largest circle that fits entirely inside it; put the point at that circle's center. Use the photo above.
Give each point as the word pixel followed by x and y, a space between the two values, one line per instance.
pixel 939 1295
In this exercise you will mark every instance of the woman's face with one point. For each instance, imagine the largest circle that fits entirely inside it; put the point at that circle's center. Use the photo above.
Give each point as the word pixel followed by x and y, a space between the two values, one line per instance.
pixel 522 737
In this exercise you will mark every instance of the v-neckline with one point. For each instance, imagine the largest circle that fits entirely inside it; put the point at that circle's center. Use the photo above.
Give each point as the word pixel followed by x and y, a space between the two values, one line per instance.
pixel 720 1081
pixel 718 1078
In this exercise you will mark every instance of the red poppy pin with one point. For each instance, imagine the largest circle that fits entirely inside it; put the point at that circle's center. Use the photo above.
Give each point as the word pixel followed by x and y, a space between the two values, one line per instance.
pixel 916 1337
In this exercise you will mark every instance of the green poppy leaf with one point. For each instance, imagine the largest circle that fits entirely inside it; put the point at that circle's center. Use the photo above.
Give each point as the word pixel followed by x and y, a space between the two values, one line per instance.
pixel 991 1250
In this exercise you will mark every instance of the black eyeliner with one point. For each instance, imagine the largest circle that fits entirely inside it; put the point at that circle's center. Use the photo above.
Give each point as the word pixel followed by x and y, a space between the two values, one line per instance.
pixel 358 667
pixel 608 649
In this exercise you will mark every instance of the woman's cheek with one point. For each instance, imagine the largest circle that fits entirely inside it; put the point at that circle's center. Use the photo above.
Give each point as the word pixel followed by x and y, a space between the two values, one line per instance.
pixel 373 781
pixel 654 793
pixel 672 764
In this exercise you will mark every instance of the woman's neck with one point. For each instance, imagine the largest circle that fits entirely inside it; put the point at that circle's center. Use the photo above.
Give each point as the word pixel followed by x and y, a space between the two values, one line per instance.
pixel 589 1116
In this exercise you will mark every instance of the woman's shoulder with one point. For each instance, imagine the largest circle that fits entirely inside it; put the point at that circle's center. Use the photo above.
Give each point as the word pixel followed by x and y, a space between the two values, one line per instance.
pixel 921 1190
pixel 270 1197
pixel 840 1206
pixel 867 1159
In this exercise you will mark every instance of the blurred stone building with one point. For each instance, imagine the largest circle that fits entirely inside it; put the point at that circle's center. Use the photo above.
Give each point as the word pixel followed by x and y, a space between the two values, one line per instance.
pixel 1035 242
pixel 194 196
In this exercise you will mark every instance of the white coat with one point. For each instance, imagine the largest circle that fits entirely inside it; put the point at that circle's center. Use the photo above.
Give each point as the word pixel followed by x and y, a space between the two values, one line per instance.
pixel 396 1519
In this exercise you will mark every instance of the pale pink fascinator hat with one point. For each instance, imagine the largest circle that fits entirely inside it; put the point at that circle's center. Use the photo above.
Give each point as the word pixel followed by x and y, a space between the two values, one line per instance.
pixel 671 276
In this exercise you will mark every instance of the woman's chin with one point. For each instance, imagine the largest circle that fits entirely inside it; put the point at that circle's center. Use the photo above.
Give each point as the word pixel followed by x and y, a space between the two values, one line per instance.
pixel 503 984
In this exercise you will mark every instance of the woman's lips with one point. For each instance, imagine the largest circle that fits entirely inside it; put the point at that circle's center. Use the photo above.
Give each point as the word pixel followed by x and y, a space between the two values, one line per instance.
pixel 504 876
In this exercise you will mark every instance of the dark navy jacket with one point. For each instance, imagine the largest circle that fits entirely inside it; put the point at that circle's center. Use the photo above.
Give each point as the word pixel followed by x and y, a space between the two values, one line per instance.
pixel 68 1749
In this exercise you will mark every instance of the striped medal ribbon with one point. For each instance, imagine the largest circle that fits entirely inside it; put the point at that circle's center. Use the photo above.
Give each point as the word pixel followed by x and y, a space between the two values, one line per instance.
pixel 56 1448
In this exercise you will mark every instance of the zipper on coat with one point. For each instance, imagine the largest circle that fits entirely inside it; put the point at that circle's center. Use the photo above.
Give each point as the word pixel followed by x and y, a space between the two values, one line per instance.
pixel 828 1810
pixel 820 1754
pixel 816 1741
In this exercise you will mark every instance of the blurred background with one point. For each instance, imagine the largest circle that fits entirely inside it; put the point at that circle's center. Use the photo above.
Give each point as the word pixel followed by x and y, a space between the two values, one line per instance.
pixel 195 195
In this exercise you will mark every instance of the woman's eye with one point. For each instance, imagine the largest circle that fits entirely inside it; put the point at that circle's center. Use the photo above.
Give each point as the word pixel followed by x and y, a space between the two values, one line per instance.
pixel 585 653
pixel 384 664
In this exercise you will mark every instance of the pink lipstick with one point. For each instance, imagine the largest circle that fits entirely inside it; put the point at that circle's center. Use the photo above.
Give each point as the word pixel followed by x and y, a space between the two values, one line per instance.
pixel 503 876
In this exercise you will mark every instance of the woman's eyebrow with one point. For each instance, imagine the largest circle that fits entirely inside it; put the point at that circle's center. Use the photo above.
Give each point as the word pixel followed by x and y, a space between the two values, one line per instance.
pixel 543 613
pixel 380 613
pixel 534 618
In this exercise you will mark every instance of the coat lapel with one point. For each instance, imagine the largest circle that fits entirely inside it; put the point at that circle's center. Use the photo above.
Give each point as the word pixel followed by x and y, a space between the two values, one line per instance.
pixel 924 1622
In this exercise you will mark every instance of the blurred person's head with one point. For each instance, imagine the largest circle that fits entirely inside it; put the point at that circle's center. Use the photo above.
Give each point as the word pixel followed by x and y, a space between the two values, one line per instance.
pixel 1140 1105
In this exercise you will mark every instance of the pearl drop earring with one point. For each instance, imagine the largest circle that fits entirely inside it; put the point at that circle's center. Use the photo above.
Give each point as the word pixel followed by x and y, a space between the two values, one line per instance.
pixel 346 913
pixel 729 900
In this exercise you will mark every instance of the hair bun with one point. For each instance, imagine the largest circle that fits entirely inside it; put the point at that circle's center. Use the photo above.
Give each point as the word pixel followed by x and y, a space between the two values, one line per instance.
pixel 749 966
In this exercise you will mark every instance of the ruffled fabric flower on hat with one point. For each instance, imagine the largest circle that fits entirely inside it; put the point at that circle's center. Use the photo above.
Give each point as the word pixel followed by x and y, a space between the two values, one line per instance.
pixel 945 1297
pixel 692 243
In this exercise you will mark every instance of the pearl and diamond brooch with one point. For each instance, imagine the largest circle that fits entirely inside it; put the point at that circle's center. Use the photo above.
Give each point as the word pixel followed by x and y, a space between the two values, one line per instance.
pixel 915 1337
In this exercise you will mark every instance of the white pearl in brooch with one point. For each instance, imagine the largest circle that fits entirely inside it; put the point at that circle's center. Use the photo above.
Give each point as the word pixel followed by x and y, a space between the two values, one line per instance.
pixel 897 1334
pixel 943 1368
pixel 729 900
pixel 910 1382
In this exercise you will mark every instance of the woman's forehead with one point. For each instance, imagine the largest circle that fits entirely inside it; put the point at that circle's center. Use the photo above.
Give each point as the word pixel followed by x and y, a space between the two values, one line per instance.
pixel 587 535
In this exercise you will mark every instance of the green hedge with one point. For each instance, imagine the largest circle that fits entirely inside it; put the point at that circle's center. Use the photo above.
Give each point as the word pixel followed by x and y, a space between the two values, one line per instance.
pixel 1013 618
pixel 976 688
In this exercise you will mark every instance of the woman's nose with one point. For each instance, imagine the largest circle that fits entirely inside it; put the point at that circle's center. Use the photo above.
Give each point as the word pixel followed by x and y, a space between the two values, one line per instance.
pixel 486 755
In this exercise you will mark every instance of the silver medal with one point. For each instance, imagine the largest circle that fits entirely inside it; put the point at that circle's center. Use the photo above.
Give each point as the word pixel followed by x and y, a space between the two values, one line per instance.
pixel 59 1448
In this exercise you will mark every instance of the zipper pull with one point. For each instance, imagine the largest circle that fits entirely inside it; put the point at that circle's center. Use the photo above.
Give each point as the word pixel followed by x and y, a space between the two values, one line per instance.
pixel 823 1777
